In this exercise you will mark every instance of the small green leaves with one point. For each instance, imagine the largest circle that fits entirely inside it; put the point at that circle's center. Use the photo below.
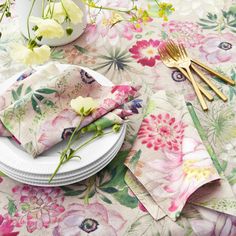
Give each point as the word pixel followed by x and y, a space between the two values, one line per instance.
pixel 14 95
pixel 227 19
pixel 80 49
pixel 69 31
pixel 116 128
pixel 46 91
pixel 39 97
pixel 28 90
pixel 35 106
pixel 17 94
pixel 35 28
pixel 11 207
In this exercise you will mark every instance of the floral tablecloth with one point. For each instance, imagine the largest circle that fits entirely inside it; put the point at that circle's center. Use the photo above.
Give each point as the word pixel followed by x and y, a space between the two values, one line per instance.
pixel 125 53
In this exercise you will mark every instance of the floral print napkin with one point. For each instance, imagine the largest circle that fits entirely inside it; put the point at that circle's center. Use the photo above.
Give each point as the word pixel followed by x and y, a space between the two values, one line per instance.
pixel 168 157
pixel 36 108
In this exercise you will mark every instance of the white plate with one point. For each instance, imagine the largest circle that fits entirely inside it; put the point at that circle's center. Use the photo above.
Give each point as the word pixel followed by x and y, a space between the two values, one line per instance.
pixel 80 172
pixel 62 182
pixel 15 159
pixel 66 179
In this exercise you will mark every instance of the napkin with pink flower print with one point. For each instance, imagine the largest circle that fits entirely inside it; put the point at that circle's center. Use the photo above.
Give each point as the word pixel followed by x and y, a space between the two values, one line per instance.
pixel 168 158
pixel 37 112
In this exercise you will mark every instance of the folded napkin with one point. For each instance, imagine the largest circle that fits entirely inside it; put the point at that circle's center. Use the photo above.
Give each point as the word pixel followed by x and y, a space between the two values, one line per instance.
pixel 168 158
pixel 37 111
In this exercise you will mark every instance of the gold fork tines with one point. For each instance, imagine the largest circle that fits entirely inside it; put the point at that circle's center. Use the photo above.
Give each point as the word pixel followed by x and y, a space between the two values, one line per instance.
pixel 180 56
pixel 202 76
pixel 170 62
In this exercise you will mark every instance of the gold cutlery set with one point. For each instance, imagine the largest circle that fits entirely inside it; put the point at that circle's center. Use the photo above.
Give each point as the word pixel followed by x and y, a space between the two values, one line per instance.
pixel 174 55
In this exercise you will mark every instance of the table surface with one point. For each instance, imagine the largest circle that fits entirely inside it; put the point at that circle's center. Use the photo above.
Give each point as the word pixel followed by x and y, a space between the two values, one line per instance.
pixel 123 53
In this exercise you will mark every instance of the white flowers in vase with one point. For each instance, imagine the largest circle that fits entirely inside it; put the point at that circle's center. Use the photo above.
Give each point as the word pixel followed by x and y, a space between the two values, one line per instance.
pixel 48 26
pixel 54 20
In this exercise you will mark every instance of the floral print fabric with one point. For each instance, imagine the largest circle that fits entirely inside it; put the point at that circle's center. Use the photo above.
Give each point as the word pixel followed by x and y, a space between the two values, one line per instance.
pixel 106 49
pixel 37 109
pixel 168 156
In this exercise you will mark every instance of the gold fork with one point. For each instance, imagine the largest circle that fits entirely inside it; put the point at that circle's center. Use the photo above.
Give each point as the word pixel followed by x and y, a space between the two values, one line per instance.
pixel 170 62
pixel 200 74
pixel 180 56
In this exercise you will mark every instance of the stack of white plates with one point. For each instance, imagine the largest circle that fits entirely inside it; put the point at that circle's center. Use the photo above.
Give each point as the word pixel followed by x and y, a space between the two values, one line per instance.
pixel 19 165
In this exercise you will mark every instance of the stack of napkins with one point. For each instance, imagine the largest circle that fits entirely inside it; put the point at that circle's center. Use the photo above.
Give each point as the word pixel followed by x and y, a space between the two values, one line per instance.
pixel 168 161
pixel 36 111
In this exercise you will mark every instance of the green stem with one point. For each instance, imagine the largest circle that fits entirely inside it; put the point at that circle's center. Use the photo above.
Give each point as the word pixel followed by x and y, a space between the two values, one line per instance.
pixel 157 2
pixel 106 8
pixel 30 12
pixel 71 138
pixel 7 5
pixel 53 7
pixel 87 142
pixel 91 181
pixel 43 6
pixel 55 172
pixel 204 138
pixel 67 15
pixel 64 152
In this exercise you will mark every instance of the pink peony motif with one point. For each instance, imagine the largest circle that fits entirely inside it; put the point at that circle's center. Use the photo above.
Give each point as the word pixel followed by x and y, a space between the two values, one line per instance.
pixel 162 131
pixel 1 179
pixel 146 52
pixel 38 207
pixel 7 226
pixel 122 93
pixel 178 175
pixel 219 48
pixel 188 33
pixel 60 126
pixel 92 219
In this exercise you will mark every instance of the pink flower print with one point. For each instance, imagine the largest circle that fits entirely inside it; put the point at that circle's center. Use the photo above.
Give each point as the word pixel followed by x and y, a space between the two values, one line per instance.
pixel 74 56
pixel 38 207
pixel 185 32
pixel 219 48
pixel 142 207
pixel 178 175
pixel 146 52
pixel 213 223
pixel 62 125
pixel 92 219
pixel 122 93
pixel 1 179
pixel 112 35
pixel 162 132
pixel 7 226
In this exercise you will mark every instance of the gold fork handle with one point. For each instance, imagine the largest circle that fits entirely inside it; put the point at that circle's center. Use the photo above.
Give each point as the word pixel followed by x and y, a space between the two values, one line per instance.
pixel 204 91
pixel 197 91
pixel 209 83
pixel 224 78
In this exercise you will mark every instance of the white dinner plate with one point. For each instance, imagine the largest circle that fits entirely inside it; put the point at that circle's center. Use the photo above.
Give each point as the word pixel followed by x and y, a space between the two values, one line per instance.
pixel 61 182
pixel 79 172
pixel 18 164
